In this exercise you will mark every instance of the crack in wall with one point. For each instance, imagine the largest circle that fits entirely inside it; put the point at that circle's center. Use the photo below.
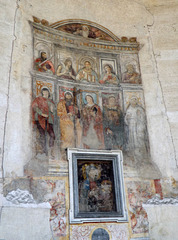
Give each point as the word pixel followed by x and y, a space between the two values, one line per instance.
pixel 162 91
pixel 147 10
pixel 8 91
pixel 158 77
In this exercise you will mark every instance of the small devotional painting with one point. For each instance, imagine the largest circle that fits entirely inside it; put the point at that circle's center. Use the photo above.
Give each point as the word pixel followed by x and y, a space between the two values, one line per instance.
pixel 96 186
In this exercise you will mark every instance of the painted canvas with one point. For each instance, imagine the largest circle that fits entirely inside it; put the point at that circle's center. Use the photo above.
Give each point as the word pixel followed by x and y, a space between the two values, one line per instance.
pixel 96 186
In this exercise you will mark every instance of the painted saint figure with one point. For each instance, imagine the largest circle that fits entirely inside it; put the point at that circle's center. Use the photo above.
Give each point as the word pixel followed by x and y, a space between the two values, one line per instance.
pixel 87 73
pixel 131 76
pixel 43 118
pixel 135 120
pixel 42 64
pixel 108 77
pixel 69 117
pixel 93 137
pixel 113 123
pixel 68 72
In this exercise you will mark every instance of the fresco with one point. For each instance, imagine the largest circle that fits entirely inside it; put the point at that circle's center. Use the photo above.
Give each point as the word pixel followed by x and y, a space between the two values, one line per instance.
pixel 43 120
pixel 135 121
pixel 69 119
pixel 85 31
pixel 65 70
pixel 92 120
pixel 136 136
pixel 55 195
pixel 43 64
pixel 86 95
pixel 87 73
pixel 130 69
pixel 113 121
pixel 138 193
pixel 130 75
pixel 108 76
pixel 96 189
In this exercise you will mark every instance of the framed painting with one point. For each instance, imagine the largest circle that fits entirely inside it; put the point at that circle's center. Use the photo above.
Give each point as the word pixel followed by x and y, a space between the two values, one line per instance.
pixel 110 62
pixel 96 186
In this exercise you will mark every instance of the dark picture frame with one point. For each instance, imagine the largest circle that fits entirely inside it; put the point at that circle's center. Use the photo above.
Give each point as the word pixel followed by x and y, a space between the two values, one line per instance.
pixel 96 186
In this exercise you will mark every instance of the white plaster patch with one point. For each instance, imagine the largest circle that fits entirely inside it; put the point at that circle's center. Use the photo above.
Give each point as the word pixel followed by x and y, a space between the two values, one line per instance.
pixel 156 200
pixel 21 198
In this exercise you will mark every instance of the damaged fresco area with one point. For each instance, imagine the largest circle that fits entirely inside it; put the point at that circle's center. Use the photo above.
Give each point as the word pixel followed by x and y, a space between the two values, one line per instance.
pixel 40 191
pixel 138 193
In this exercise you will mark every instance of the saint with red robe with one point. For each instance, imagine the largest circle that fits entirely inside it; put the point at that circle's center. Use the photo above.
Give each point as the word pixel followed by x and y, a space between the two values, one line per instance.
pixel 43 118
pixel 44 65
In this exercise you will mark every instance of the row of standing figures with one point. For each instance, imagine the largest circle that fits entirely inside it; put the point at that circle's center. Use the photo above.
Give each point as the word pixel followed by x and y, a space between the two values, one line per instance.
pixel 66 71
pixel 90 128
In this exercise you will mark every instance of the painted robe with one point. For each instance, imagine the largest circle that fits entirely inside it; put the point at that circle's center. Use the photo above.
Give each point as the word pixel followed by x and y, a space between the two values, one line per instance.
pixel 69 119
pixel 87 75
pixel 109 79
pixel 48 64
pixel 113 123
pixel 93 137
pixel 40 106
pixel 136 129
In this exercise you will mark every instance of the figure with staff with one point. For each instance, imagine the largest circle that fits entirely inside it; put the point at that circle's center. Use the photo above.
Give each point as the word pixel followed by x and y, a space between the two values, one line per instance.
pixel 43 64
pixel 69 119
pixel 43 118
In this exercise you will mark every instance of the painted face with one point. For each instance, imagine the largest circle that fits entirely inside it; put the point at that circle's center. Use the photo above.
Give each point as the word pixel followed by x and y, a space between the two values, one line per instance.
pixel 44 55
pixel 94 174
pixel 69 63
pixel 130 68
pixel 89 100
pixel 112 101
pixel 87 65
pixel 68 96
pixel 45 94
pixel 59 68
pixel 106 186
pixel 107 69
pixel 133 101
